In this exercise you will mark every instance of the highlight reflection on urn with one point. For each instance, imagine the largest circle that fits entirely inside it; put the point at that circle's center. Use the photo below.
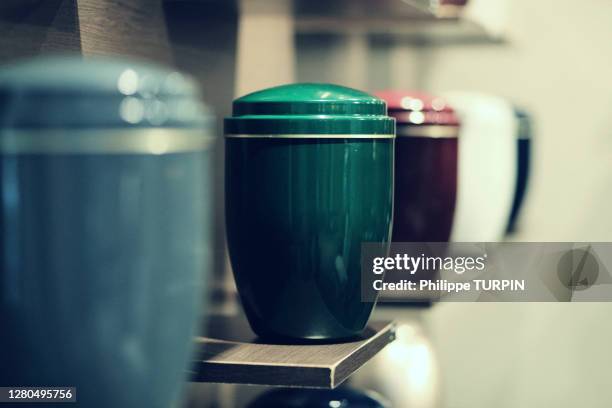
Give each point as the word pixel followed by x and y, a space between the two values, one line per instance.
pixel 425 166
pixel 309 177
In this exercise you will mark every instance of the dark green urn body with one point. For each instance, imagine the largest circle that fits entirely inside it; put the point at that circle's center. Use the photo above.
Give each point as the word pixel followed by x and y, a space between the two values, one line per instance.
pixel 309 177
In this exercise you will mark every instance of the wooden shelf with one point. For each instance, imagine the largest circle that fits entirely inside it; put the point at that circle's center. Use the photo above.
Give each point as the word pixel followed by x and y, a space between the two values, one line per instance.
pixel 233 354
pixel 415 22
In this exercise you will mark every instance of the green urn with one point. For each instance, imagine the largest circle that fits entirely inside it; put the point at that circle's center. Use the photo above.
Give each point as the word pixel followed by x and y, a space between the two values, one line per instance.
pixel 309 177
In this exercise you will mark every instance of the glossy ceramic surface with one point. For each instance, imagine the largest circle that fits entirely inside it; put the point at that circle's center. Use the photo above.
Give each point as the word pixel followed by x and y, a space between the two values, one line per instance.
pixel 407 371
pixel 297 212
pixel 487 166
pixel 108 93
pixel 301 398
pixel 309 109
pixel 522 172
pixel 103 246
pixel 425 166
pixel 298 208
pixel 101 273
pixel 425 189
pixel 418 108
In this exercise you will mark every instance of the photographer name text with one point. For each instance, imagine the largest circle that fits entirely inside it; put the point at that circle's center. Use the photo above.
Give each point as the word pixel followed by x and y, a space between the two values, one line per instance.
pixel 442 285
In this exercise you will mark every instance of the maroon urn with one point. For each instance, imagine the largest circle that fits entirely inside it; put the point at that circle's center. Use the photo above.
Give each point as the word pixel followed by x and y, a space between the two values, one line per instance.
pixel 425 166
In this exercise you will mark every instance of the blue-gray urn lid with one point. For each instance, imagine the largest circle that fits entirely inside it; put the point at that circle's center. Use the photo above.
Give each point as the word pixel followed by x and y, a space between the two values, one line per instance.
pixel 97 92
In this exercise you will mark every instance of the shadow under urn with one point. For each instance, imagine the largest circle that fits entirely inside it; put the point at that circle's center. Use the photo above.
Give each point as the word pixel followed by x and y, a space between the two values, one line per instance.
pixel 425 166
pixel 106 207
pixel 309 177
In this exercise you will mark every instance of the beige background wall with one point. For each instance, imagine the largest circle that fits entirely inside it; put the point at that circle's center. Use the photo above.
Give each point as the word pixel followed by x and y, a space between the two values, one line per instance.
pixel 557 64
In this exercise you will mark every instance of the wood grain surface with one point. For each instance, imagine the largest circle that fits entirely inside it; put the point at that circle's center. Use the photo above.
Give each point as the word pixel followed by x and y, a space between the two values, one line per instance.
pixel 134 28
pixel 233 354
pixel 33 27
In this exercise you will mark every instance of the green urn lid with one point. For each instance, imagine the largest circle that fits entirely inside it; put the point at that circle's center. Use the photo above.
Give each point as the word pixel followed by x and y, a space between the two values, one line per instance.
pixel 309 110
